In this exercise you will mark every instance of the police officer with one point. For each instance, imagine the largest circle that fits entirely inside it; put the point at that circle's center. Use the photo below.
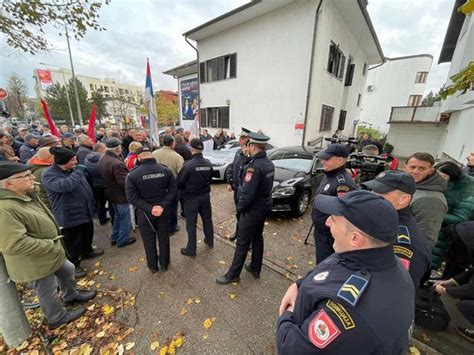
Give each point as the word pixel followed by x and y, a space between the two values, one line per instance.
pixel 194 182
pixel 254 203
pixel 151 188
pixel 411 246
pixel 233 173
pixel 359 300
pixel 336 182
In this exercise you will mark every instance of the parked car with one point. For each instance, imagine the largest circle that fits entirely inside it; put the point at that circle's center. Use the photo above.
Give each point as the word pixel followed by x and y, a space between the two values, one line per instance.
pixel 298 173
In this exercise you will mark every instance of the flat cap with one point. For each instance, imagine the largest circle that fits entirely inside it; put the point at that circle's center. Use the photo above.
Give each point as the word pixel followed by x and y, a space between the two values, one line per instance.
pixel 8 169
pixel 48 141
pixel 112 142
pixel 142 150
pixel 68 135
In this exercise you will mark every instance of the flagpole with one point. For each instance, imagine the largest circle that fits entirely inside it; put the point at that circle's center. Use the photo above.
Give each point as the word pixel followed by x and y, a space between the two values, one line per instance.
pixel 74 80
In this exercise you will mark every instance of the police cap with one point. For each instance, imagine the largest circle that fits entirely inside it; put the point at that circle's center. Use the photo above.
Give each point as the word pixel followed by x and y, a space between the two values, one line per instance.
pixel 367 211
pixel 258 138
pixel 388 181
pixel 334 150
pixel 244 132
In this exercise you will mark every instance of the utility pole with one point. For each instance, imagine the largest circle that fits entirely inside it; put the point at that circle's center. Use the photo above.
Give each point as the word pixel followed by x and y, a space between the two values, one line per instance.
pixel 74 80
pixel 14 326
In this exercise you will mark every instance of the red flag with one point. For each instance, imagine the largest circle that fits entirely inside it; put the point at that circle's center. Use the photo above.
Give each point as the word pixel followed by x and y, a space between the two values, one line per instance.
pixel 52 126
pixel 142 119
pixel 91 129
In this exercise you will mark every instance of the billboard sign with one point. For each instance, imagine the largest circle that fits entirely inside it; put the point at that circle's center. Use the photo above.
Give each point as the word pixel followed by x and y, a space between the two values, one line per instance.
pixel 189 99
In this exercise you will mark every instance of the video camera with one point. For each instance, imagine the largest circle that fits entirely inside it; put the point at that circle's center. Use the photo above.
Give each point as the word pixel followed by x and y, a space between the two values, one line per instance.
pixel 369 166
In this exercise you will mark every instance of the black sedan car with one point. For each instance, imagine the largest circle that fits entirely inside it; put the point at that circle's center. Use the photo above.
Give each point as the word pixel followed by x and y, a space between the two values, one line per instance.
pixel 298 174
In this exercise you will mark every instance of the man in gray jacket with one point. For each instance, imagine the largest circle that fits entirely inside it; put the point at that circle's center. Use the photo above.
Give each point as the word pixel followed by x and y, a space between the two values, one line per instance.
pixel 428 205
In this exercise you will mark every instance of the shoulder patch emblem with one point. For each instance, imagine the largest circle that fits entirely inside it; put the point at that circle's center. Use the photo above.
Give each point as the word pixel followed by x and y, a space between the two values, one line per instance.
pixel 327 187
pixel 342 314
pixel 321 276
pixel 341 178
pixel 399 250
pixel 248 176
pixel 342 190
pixel 405 263
pixel 403 235
pixel 322 331
pixel 352 289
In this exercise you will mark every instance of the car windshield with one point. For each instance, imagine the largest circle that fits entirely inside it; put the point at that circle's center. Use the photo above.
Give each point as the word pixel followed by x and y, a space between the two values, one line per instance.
pixel 289 160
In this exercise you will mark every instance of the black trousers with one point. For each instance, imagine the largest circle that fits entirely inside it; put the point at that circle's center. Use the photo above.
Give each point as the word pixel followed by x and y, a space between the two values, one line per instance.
pixel 100 201
pixel 466 307
pixel 250 233
pixel 323 242
pixel 78 241
pixel 152 228
pixel 200 205
pixel 237 215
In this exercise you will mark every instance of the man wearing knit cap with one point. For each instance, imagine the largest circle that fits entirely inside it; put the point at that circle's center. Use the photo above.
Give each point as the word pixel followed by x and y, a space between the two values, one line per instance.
pixel 30 244
pixel 361 298
pixel 72 204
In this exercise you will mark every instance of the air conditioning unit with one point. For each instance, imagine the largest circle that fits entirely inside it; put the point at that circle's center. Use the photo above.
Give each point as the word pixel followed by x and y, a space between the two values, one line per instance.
pixel 371 88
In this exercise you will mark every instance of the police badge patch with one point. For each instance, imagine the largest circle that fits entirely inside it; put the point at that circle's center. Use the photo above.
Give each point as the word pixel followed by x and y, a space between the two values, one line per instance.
pixel 327 187
pixel 321 276
pixel 322 331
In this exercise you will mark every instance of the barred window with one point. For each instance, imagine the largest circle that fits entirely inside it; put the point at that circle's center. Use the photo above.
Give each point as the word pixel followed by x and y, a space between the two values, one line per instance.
pixel 326 118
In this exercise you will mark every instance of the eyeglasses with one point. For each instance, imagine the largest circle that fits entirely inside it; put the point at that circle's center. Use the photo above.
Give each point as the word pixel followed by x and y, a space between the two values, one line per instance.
pixel 28 175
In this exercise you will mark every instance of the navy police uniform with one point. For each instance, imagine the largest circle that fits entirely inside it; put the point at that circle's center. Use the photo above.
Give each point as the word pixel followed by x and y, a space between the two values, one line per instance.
pixel 150 184
pixel 253 205
pixel 336 182
pixel 411 246
pixel 194 184
pixel 354 302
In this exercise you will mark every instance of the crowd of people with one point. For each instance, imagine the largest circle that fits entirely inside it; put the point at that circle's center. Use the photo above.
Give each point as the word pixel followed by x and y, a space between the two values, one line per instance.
pixel 388 233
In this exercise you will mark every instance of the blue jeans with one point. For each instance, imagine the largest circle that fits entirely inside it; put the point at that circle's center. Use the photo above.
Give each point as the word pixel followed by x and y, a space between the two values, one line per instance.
pixel 122 224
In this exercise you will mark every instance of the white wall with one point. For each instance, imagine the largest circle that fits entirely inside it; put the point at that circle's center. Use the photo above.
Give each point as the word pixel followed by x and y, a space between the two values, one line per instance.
pixel 326 89
pixel 269 91
pixel 393 83
pixel 460 135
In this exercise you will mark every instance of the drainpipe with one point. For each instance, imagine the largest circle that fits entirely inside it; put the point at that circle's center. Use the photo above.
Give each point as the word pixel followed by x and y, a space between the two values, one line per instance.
pixel 198 76
pixel 308 91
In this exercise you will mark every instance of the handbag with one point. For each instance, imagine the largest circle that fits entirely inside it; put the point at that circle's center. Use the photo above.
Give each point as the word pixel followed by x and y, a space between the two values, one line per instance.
pixel 430 312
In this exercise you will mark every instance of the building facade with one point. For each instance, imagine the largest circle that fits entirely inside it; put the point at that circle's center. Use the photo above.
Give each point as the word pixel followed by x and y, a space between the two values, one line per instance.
pixel 294 69
pixel 398 82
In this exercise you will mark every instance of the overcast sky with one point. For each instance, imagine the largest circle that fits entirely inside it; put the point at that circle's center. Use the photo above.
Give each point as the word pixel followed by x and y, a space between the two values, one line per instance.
pixel 139 29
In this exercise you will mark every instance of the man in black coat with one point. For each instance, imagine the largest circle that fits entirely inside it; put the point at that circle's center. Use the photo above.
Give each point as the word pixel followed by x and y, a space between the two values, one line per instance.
pixel 151 188
pixel 194 184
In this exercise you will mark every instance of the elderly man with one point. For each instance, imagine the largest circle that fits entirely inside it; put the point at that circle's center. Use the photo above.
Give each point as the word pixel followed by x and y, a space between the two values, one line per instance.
pixel 69 141
pixel 84 149
pixel 360 299
pixel 28 149
pixel 49 141
pixel 31 246
pixel 6 148
pixel 114 174
pixel 72 204
pixel 38 164
pixel 429 204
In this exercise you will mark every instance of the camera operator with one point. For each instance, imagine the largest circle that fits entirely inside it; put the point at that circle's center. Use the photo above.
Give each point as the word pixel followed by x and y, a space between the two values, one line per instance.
pixel 336 182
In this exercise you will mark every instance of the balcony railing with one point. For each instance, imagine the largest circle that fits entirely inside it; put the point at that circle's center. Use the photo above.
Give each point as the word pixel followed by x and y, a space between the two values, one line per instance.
pixel 418 114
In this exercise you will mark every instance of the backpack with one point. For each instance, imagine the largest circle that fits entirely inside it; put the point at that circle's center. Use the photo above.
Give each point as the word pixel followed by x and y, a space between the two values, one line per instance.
pixel 430 312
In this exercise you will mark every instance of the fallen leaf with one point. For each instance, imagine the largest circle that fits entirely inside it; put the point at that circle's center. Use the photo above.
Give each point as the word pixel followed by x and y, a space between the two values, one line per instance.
pixel 222 262
pixel 90 283
pixel 266 223
pixel 23 346
pixel 142 259
pixel 207 323
pixel 100 334
pixel 235 283
pixel 414 351
pixel 161 294
pixel 179 342
pixel 205 336
pixel 164 350
pixel 112 277
pixel 106 309
pixel 197 300
pixel 232 295
pixel 190 301
pixel 425 338
pixel 86 349
pixel 61 346
pixel 292 266
pixel 97 264
pixel 155 345
pixel 274 233
pixel 132 268
pixel 289 258
pixel 183 311
pixel 310 262
pixel 129 346
pixel 101 272
pixel 120 349
pixel 91 307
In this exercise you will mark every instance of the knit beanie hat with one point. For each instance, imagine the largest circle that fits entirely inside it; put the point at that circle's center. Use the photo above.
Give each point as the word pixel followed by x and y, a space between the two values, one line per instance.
pixel 62 155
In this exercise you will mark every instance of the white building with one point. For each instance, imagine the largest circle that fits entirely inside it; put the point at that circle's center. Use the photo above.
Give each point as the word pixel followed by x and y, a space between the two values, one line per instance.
pixel 399 81
pixel 295 69
pixel 447 130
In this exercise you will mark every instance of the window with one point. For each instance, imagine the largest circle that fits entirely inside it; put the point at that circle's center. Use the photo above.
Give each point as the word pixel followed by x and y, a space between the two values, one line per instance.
pixel 336 61
pixel 364 71
pixel 326 118
pixel 349 72
pixel 342 120
pixel 421 77
pixel 358 99
pixel 106 88
pixel 220 68
pixel 91 87
pixel 414 100
pixel 215 117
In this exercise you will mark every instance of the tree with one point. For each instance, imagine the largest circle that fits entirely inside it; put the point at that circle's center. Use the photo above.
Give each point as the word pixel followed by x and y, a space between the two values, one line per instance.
pixel 23 23
pixel 462 82
pixel 167 112
pixel 374 133
pixel 123 109
pixel 431 98
pixel 17 95
pixel 100 102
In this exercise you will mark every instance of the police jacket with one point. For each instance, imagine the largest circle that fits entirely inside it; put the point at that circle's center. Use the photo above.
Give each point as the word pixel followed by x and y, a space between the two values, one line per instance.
pixel 255 191
pixel 150 184
pixel 412 246
pixel 233 173
pixel 336 182
pixel 357 302
pixel 195 177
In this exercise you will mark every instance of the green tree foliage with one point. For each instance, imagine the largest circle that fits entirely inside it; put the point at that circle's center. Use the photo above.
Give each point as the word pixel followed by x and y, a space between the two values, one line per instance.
pixel 23 23
pixel 374 133
pixel 167 112
pixel 100 102
pixel 17 95
pixel 431 98
pixel 461 82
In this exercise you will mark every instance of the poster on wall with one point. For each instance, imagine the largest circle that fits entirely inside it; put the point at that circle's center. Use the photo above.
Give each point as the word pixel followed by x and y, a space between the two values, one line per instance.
pixel 189 99
pixel 45 79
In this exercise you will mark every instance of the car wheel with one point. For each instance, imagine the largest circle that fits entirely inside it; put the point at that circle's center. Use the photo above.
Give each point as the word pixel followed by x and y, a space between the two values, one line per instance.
pixel 302 203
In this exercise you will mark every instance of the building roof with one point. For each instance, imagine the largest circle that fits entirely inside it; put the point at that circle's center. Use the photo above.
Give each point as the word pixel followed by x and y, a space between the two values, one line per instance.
pixel 452 33
pixel 410 56
pixel 183 69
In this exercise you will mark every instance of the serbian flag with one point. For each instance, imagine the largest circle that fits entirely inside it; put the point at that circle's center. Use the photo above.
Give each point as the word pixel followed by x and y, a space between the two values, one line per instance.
pixel 150 102
pixel 91 129
pixel 52 126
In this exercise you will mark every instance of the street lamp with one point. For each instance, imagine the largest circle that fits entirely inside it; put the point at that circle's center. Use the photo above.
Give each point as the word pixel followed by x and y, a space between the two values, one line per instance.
pixel 74 79
pixel 67 93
